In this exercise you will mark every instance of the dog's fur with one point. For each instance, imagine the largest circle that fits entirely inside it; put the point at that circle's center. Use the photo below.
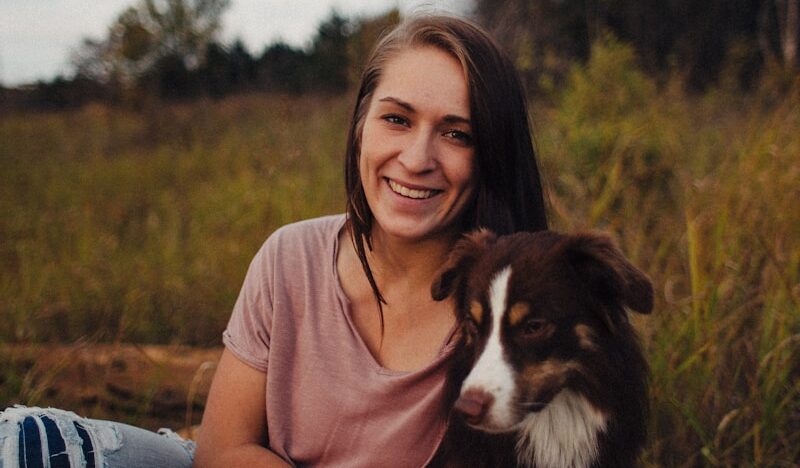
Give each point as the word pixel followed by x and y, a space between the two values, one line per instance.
pixel 548 371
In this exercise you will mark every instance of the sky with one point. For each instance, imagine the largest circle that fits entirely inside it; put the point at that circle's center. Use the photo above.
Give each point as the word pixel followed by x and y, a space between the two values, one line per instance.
pixel 37 37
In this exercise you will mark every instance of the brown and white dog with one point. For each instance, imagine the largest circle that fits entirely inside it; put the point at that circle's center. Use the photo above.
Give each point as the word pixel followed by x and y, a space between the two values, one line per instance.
pixel 548 371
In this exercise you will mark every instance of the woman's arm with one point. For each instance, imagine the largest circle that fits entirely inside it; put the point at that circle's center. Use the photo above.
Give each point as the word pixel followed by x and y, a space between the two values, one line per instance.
pixel 233 431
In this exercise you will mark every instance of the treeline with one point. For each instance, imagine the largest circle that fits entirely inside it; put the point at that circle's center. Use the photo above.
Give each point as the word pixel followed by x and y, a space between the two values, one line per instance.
pixel 132 66
pixel 169 49
pixel 703 41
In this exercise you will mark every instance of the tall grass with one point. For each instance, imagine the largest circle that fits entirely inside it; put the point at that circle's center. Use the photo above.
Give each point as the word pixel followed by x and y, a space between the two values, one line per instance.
pixel 138 226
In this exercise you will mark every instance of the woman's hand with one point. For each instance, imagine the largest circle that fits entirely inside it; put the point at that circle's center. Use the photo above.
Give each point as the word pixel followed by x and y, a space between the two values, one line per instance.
pixel 234 427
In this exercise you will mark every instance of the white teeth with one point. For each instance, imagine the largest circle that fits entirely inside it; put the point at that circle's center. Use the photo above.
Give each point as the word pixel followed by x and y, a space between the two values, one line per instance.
pixel 410 193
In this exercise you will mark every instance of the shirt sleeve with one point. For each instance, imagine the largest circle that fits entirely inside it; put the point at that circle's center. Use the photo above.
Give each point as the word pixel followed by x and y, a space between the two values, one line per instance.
pixel 249 329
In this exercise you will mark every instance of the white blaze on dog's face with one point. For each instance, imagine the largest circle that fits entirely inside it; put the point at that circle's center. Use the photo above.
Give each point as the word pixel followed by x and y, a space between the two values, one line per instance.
pixel 509 379
pixel 492 373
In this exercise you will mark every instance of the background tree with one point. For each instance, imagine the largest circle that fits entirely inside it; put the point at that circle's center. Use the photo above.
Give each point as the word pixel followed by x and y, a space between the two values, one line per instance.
pixel 150 39
pixel 779 32
pixel 284 68
pixel 183 28
pixel 365 34
pixel 691 37
pixel 228 70
pixel 330 61
pixel 124 56
pixel 543 37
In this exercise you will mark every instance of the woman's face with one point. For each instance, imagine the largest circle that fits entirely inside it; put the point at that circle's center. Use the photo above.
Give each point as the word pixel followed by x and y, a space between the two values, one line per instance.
pixel 417 155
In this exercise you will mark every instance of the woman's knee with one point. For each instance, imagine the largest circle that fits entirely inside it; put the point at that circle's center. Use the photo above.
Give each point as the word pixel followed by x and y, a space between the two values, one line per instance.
pixel 33 437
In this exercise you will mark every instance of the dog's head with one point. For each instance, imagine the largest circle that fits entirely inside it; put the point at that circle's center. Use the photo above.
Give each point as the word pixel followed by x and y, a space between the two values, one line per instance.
pixel 539 313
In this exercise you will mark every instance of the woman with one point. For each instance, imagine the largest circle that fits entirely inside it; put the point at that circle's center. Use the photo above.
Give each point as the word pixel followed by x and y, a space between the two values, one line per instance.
pixel 335 352
pixel 335 319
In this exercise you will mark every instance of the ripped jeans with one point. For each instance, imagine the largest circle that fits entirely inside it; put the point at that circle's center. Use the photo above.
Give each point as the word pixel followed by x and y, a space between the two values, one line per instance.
pixel 42 438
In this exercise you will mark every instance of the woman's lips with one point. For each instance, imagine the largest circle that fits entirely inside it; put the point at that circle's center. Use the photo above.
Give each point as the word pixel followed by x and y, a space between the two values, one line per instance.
pixel 417 194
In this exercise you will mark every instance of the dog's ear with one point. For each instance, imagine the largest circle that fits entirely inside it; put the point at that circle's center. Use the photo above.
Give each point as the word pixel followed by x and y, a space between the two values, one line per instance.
pixel 608 274
pixel 460 260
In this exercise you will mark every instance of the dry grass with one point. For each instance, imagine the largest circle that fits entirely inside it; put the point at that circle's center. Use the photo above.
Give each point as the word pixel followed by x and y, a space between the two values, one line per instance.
pixel 151 386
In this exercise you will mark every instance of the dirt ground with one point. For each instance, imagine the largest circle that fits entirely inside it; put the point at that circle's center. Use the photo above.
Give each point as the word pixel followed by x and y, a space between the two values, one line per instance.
pixel 145 385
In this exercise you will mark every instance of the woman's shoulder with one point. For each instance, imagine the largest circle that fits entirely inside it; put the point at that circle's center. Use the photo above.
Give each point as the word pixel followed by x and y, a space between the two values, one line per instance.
pixel 315 229
pixel 302 237
pixel 296 247
pixel 313 225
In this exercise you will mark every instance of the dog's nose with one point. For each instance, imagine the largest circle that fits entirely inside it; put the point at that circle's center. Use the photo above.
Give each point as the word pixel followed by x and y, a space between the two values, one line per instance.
pixel 473 403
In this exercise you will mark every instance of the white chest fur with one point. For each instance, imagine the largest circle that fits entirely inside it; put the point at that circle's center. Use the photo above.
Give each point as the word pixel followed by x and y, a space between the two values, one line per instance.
pixel 563 434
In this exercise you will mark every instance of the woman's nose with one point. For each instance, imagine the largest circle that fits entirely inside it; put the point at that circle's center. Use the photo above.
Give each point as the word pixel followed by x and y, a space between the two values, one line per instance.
pixel 420 154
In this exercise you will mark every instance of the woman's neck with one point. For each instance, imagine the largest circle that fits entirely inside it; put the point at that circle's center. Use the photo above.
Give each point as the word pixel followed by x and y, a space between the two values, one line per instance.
pixel 398 262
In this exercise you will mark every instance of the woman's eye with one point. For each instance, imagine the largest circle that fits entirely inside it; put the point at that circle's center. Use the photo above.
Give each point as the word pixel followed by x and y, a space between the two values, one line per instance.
pixel 462 137
pixel 395 119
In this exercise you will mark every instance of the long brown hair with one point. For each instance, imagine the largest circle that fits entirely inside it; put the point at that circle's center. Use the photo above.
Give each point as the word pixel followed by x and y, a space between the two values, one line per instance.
pixel 509 194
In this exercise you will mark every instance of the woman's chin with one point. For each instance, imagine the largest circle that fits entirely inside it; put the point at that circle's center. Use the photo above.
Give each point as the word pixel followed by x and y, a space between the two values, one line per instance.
pixel 412 229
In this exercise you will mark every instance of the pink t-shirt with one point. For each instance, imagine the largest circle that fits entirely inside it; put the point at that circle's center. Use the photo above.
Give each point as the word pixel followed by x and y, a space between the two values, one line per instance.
pixel 329 402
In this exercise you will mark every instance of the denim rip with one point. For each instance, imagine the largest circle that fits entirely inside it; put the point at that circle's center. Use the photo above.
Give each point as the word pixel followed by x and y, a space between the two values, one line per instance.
pixel 47 437
pixel 188 445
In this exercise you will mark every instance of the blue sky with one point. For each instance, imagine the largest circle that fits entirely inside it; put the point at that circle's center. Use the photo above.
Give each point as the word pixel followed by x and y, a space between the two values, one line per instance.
pixel 37 36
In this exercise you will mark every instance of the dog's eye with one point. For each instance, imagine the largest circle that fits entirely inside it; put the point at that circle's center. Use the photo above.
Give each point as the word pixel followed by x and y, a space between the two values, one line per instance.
pixel 534 326
pixel 469 330
pixel 475 312
pixel 469 324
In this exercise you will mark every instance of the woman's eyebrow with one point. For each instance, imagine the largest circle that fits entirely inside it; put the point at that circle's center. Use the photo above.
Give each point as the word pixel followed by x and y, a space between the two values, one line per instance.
pixel 456 119
pixel 449 118
pixel 399 102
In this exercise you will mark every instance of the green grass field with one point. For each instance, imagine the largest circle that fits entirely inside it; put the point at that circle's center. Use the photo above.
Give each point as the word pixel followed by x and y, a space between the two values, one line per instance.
pixel 138 226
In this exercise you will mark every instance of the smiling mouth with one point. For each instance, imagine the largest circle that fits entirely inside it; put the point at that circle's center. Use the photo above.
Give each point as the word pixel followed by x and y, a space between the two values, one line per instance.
pixel 411 193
